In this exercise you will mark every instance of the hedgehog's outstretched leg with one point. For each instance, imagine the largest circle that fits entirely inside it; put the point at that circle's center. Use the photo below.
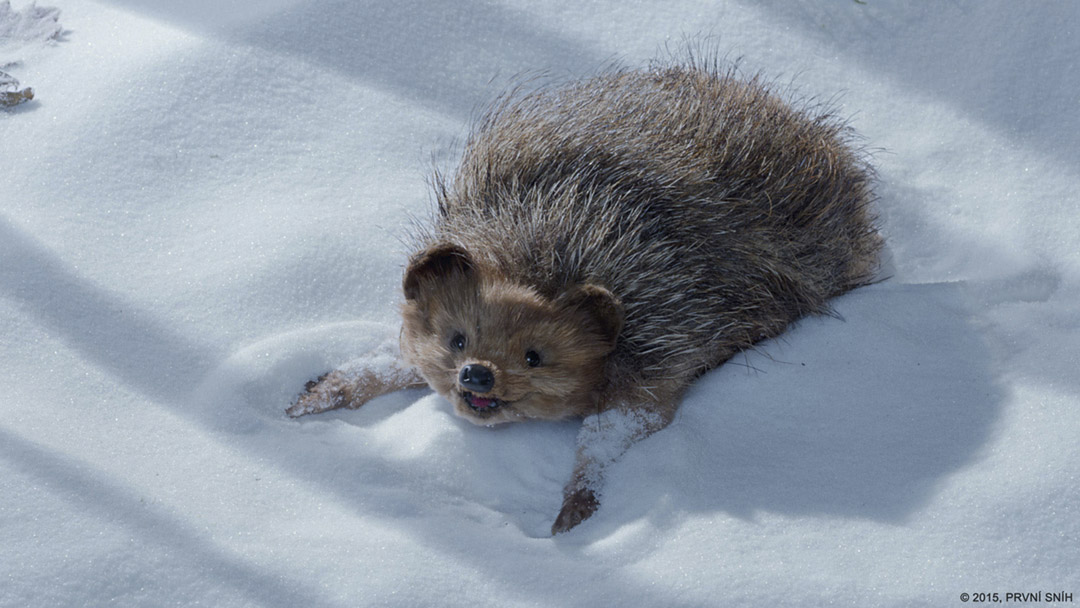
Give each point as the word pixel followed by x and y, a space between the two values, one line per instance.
pixel 355 384
pixel 603 438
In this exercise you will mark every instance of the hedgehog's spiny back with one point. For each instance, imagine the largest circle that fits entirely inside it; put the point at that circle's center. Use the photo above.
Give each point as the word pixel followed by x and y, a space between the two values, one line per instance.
pixel 717 213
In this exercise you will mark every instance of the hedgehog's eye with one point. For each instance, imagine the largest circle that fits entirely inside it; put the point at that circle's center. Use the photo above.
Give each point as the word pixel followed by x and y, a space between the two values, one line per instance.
pixel 458 342
pixel 532 358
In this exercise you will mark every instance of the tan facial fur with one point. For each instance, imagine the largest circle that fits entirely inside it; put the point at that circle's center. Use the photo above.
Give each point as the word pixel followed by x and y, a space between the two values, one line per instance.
pixel 457 315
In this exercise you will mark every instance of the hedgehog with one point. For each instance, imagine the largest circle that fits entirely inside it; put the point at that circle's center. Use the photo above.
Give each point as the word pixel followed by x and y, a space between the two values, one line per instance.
pixel 606 241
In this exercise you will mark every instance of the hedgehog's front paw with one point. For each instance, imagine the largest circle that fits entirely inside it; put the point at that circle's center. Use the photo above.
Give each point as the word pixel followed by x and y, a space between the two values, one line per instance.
pixel 331 391
pixel 577 506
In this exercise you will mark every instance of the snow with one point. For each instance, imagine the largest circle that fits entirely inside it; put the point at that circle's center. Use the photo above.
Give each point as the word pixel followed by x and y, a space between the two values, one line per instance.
pixel 33 23
pixel 203 208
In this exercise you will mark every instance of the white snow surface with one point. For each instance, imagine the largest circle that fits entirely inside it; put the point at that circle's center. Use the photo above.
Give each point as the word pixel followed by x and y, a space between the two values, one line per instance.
pixel 204 207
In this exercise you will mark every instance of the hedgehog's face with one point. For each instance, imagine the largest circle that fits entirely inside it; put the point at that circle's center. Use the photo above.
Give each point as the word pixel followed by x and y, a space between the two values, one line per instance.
pixel 500 352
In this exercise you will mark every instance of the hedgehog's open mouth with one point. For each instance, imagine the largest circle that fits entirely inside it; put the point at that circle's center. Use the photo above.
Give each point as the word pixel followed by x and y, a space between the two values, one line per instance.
pixel 482 405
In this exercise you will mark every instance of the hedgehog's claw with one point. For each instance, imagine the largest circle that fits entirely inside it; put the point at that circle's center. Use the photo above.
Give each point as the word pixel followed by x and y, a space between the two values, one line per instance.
pixel 576 508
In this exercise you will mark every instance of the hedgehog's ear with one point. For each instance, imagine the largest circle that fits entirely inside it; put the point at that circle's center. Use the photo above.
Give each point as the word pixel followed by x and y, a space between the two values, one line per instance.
pixel 436 263
pixel 602 307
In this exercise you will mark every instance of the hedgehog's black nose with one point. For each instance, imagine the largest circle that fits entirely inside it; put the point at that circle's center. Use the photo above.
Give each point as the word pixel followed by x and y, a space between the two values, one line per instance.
pixel 476 378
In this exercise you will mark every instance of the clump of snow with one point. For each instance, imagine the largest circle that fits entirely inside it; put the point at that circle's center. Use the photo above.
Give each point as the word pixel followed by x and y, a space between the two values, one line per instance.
pixel 33 23
pixel 10 94
pixel 18 28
